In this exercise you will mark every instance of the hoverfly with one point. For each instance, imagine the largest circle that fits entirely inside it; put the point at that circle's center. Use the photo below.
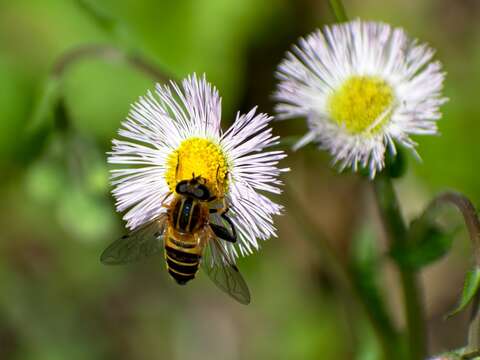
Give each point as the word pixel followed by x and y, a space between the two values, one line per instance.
pixel 192 233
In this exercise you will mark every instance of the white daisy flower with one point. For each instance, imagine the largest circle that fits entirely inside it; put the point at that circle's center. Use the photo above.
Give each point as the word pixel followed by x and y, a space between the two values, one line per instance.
pixel 168 137
pixel 362 86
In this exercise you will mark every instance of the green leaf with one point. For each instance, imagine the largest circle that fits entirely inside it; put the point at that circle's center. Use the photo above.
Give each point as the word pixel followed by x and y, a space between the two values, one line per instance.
pixel 470 289
pixel 427 243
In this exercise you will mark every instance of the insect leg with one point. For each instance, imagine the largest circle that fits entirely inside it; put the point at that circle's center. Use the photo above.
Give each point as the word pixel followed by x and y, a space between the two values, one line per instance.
pixel 163 201
pixel 221 210
pixel 222 231
pixel 232 226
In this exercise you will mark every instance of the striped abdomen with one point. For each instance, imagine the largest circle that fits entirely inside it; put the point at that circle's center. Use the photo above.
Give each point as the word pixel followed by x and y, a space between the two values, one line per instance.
pixel 181 265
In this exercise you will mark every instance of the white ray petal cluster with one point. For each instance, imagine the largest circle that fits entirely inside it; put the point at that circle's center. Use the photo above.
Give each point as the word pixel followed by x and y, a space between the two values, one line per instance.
pixel 325 61
pixel 155 128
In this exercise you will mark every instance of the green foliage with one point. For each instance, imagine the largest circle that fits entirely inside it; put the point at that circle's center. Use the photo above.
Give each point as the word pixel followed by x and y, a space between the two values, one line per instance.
pixel 427 243
pixel 58 302
pixel 470 290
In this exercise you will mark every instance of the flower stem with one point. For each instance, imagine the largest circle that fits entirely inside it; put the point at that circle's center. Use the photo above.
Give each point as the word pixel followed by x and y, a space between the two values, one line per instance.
pixel 396 231
pixel 338 10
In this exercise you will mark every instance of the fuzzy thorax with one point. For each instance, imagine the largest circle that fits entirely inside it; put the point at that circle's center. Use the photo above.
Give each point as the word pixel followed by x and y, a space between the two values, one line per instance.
pixel 362 104
pixel 198 157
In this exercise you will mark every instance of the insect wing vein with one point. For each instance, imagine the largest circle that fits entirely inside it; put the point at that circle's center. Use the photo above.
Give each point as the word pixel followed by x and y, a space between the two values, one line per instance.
pixel 224 273
pixel 139 244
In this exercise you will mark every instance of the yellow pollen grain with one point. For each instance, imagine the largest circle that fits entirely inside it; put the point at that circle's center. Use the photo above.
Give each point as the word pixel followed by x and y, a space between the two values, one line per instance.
pixel 362 104
pixel 199 157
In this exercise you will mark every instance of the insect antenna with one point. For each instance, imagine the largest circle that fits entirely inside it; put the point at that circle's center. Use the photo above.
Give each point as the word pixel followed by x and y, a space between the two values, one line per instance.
pixel 176 168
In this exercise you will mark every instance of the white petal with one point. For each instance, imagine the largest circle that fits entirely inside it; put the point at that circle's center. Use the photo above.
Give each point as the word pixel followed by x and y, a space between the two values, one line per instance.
pixel 157 125
pixel 326 59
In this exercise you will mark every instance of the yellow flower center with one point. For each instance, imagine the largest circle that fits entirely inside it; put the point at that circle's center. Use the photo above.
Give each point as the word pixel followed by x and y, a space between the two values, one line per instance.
pixel 199 157
pixel 363 104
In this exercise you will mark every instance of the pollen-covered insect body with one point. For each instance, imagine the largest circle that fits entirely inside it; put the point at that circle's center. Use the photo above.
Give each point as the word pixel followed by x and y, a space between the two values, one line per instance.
pixel 192 231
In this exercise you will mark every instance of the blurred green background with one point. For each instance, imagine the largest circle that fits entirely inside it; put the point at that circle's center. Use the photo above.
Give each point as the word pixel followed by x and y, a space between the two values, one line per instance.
pixel 56 214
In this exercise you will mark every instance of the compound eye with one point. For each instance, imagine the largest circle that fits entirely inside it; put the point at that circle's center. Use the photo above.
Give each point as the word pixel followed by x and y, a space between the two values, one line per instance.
pixel 201 192
pixel 182 187
pixel 198 192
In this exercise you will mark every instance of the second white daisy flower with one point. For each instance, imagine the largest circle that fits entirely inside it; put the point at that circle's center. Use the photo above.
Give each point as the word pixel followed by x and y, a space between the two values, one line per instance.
pixel 362 87
pixel 176 134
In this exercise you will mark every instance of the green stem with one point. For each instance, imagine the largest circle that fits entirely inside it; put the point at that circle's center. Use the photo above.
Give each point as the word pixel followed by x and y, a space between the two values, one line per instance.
pixel 338 10
pixel 396 231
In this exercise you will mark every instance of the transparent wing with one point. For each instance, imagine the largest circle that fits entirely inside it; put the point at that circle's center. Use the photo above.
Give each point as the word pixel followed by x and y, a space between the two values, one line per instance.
pixel 221 269
pixel 139 244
